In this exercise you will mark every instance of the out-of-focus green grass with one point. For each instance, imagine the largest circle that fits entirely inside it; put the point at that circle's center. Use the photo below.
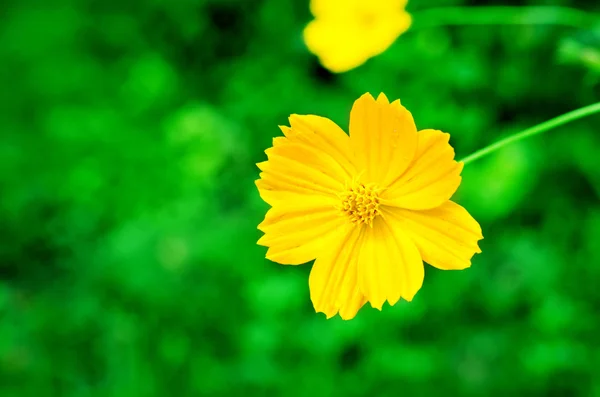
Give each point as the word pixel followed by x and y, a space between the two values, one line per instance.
pixel 128 213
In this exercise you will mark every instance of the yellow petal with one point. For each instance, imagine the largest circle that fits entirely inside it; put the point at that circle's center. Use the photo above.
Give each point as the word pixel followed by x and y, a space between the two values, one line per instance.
pixel 432 177
pixel 332 9
pixel 384 138
pixel 390 266
pixel 322 133
pixel 276 187
pixel 333 278
pixel 297 232
pixel 384 29
pixel 305 165
pixel 306 171
pixel 314 158
pixel 338 45
pixel 446 236
pixel 348 39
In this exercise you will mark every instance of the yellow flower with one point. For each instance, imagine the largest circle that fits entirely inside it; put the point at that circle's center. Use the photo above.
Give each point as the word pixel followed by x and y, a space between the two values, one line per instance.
pixel 346 33
pixel 369 207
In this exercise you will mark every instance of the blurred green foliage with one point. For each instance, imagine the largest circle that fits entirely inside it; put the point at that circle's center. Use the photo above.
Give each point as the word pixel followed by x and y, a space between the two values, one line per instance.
pixel 128 213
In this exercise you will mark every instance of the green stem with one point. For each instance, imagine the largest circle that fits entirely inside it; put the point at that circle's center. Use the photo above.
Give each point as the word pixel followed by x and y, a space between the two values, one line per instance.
pixel 538 129
pixel 503 15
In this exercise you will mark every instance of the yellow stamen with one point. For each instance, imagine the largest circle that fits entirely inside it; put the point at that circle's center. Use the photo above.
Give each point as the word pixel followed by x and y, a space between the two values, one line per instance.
pixel 360 203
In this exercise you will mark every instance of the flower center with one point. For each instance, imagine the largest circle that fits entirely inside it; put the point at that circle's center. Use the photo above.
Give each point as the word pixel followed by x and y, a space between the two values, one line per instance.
pixel 360 203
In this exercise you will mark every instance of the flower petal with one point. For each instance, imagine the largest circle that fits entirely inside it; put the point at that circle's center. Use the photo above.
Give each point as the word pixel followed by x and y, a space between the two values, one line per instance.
pixel 432 177
pixel 346 33
pixel 322 133
pixel 336 9
pixel 446 236
pixel 306 171
pixel 339 46
pixel 348 38
pixel 384 138
pixel 314 158
pixel 333 278
pixel 297 164
pixel 332 8
pixel 390 266
pixel 296 233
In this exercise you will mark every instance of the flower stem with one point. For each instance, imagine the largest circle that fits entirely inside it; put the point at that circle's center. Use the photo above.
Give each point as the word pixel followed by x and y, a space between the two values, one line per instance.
pixel 538 129
pixel 504 15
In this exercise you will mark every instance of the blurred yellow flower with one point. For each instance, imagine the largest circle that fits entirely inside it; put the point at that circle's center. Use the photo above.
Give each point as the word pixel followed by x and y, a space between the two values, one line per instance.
pixel 369 207
pixel 346 33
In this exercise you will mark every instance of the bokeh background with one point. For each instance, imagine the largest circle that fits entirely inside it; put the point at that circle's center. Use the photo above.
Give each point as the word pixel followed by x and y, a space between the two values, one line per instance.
pixel 128 211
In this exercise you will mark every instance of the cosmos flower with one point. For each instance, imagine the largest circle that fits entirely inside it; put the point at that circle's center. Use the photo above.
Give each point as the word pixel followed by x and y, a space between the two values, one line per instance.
pixel 346 33
pixel 369 207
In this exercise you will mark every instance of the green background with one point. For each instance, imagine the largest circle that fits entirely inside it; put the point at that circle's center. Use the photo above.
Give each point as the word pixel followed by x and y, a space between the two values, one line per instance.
pixel 128 257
